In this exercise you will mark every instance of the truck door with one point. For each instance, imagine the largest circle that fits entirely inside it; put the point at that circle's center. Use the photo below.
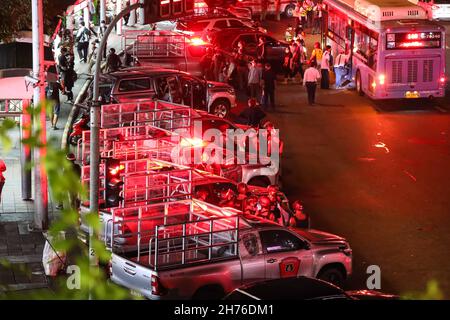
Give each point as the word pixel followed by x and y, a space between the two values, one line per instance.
pixel 252 257
pixel 285 254
pixel 193 92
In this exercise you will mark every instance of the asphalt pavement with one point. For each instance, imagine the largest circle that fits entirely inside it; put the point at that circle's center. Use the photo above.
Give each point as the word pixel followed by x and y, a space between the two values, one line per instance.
pixel 375 173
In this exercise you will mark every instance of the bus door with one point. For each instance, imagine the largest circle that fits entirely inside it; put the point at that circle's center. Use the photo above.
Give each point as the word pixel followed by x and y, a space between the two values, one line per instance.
pixel 349 43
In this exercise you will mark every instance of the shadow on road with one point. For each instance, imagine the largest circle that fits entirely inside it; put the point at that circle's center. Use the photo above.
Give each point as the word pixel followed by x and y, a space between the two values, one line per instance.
pixel 412 106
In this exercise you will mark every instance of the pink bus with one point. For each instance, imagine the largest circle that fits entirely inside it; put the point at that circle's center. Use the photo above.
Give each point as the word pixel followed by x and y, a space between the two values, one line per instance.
pixel 394 51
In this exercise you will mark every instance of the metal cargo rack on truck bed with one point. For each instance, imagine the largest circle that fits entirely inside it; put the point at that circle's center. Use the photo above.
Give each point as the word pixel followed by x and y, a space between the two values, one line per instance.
pixel 161 114
pixel 174 234
pixel 130 143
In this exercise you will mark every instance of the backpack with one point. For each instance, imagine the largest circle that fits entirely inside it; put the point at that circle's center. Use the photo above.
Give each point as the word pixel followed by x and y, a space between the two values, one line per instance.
pixel 84 37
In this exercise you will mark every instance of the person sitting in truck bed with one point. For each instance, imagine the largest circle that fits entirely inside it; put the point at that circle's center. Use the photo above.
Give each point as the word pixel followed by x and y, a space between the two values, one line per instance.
pixel 299 219
pixel 227 198
pixel 163 90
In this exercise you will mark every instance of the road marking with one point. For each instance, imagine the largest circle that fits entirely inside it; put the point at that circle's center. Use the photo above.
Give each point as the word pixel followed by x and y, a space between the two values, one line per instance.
pixel 410 175
pixel 439 108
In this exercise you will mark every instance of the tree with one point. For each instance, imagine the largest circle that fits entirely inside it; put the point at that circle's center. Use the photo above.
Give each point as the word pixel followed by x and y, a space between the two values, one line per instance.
pixel 63 181
pixel 15 16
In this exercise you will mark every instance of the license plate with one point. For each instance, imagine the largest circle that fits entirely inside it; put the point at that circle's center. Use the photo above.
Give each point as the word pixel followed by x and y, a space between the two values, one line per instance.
pixel 412 95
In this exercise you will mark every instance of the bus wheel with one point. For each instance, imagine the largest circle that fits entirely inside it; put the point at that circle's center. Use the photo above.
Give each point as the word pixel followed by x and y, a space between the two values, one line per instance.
pixel 359 84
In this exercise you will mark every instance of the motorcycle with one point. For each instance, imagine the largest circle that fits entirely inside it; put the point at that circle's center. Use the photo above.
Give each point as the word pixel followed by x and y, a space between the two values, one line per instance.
pixel 81 124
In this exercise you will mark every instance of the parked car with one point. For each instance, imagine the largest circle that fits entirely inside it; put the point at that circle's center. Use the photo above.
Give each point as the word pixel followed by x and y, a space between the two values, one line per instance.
pixel 166 49
pixel 286 7
pixel 256 174
pixel 265 251
pixel 131 84
pixel 201 27
pixel 227 40
pixel 301 288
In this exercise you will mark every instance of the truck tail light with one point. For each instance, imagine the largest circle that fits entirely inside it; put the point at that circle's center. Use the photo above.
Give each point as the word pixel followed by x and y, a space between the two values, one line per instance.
pixel 381 79
pixel 157 288
pixel 197 41
pixel 442 80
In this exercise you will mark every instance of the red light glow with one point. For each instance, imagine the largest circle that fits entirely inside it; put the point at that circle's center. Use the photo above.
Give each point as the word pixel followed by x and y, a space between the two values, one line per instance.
pixel 117 169
pixel 412 44
pixel 197 42
pixel 412 36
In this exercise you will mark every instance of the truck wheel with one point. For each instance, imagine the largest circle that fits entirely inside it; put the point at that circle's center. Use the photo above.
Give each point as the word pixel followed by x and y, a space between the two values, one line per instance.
pixel 333 275
pixel 289 10
pixel 210 292
pixel 220 108
pixel 259 182
pixel 358 80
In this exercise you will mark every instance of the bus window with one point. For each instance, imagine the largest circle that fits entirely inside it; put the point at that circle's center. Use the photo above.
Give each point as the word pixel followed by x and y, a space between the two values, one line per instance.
pixel 366 47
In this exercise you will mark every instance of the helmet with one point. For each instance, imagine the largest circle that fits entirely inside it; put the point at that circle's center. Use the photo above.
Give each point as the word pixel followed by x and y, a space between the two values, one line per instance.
pixel 242 187
pixel 202 193
pixel 70 157
pixel 297 205
pixel 252 200
pixel 226 194
pixel 272 188
pixel 264 201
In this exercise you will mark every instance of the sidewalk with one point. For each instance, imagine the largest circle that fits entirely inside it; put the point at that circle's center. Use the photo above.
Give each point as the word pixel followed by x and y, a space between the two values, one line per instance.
pixel 19 247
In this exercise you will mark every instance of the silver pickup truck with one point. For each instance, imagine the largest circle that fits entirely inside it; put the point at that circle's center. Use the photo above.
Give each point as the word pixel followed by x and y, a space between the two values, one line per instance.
pixel 211 251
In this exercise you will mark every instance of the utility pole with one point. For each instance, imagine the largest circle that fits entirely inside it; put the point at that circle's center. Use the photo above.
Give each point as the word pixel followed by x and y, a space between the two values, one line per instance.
pixel 40 177
pixel 25 158
pixel 141 13
pixel 94 152
pixel 102 11
pixel 120 22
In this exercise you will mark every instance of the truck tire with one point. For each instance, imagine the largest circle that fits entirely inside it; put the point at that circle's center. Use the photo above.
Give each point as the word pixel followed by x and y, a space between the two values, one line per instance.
pixel 289 11
pixel 209 292
pixel 332 274
pixel 220 108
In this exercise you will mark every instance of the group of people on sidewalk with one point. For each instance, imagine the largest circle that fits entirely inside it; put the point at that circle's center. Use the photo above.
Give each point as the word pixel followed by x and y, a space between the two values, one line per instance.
pixel 65 62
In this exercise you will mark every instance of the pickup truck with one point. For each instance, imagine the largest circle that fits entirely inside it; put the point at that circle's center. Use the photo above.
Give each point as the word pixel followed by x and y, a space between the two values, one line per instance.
pixel 148 181
pixel 184 121
pixel 210 255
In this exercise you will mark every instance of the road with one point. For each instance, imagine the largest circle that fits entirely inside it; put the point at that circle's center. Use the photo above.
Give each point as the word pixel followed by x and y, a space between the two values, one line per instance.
pixel 375 173
pixel 378 176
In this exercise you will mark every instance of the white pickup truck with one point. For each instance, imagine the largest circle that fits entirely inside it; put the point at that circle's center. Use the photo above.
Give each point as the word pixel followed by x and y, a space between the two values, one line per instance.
pixel 205 252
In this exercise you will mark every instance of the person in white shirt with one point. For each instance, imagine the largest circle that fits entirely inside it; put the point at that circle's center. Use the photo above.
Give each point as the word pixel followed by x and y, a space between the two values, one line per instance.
pixel 339 67
pixel 325 68
pixel 82 38
pixel 310 79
